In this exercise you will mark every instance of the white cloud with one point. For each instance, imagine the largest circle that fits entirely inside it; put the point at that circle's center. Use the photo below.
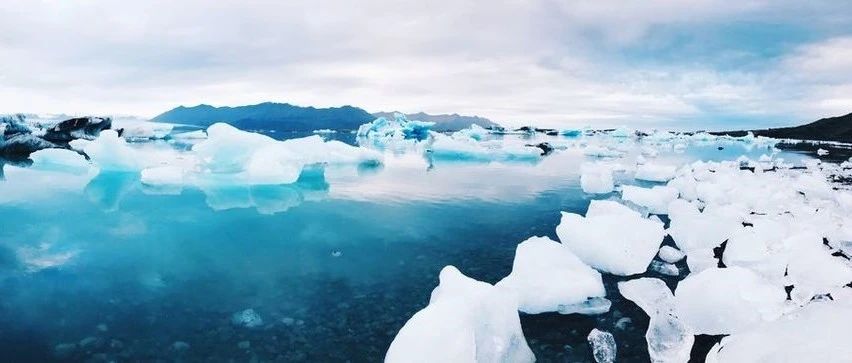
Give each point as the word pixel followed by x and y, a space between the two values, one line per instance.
pixel 549 62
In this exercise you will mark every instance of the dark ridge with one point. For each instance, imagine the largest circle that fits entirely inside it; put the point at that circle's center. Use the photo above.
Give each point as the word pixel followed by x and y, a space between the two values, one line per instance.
pixel 837 128
pixel 270 116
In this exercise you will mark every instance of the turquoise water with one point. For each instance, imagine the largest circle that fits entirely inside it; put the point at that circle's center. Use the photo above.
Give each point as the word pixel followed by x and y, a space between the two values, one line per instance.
pixel 334 264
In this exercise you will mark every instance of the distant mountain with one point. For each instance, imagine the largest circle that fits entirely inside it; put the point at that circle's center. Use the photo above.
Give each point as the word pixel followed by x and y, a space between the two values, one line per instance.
pixel 444 122
pixel 270 116
pixel 827 129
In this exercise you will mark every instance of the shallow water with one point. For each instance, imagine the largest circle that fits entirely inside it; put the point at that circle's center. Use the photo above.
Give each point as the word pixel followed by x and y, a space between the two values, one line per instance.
pixel 334 264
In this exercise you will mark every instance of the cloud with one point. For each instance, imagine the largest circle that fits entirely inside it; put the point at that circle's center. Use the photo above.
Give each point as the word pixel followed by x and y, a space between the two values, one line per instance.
pixel 547 62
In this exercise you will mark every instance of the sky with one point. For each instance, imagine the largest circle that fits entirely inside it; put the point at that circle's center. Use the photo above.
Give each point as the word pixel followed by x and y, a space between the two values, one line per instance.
pixel 701 64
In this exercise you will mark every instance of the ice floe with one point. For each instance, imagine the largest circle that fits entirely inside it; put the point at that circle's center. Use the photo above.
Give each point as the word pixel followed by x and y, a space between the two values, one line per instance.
pixel 727 300
pixel 656 198
pixel 603 345
pixel 596 178
pixel 547 277
pixel 625 250
pixel 466 321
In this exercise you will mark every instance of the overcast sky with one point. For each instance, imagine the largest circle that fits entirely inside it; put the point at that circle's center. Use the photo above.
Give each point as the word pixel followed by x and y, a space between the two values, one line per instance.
pixel 675 63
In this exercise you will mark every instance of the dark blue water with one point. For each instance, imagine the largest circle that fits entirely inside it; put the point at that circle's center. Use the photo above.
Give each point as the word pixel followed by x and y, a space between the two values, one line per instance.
pixel 334 264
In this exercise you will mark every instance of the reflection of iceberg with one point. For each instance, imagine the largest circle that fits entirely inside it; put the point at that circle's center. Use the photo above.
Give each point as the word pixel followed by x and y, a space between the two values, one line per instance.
pixel 108 188
pixel 267 199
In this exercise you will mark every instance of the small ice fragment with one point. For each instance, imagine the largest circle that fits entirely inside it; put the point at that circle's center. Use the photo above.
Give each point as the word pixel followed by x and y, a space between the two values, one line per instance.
pixel 822 152
pixel 664 268
pixel 655 173
pixel 603 346
pixel 668 338
pixel 670 254
pixel 247 318
pixel 592 306
pixel 656 199
pixel 336 253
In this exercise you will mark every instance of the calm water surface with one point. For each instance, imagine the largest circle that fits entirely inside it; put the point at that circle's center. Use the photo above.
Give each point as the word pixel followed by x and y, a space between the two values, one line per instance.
pixel 334 264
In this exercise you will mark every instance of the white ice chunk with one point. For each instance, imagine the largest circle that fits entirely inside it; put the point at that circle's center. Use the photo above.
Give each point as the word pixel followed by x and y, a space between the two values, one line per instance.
pixel 466 321
pixel 727 300
pixel 596 179
pixel 669 339
pixel 664 268
pixel 656 199
pixel 655 172
pixel 670 254
pixel 163 176
pixel 822 152
pixel 110 152
pixel 603 345
pixel 692 229
pixel 625 250
pixel 817 333
pixel 546 275
pixel 60 160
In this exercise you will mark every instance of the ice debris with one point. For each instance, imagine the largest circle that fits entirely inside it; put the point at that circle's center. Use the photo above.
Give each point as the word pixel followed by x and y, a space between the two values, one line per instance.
pixel 247 318
pixel 546 275
pixel 727 300
pixel 466 321
pixel 603 345
pixel 668 338
pixel 596 179
pixel 625 250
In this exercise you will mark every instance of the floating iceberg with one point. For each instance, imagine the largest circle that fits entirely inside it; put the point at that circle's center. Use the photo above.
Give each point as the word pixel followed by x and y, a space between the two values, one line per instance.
pixel 143 130
pixel 625 250
pixel 111 152
pixel 60 160
pixel 384 131
pixel 546 275
pixel 596 179
pixel 655 173
pixel 449 148
pixel 466 321
pixel 656 199
pixel 669 339
pixel 670 254
pixel 474 132
pixel 727 300
pixel 819 332
pixel 692 229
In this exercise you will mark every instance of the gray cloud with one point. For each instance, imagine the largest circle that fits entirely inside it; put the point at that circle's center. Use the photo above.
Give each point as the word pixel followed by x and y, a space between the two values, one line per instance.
pixel 547 62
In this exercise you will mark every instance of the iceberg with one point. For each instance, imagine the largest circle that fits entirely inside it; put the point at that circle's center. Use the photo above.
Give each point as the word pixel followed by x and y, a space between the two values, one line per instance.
pixel 596 179
pixel 466 321
pixel 669 339
pixel 449 148
pixel 474 132
pixel 692 229
pixel 670 254
pixel 384 131
pixel 625 250
pixel 656 198
pixel 819 332
pixel 546 275
pixel 655 173
pixel 60 160
pixel 727 300
pixel 111 152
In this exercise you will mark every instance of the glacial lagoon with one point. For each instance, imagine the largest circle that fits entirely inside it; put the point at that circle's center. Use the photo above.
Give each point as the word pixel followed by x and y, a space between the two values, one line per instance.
pixel 100 267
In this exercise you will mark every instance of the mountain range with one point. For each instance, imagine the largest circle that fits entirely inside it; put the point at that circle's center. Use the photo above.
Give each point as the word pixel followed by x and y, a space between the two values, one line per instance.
pixel 287 117
pixel 837 128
